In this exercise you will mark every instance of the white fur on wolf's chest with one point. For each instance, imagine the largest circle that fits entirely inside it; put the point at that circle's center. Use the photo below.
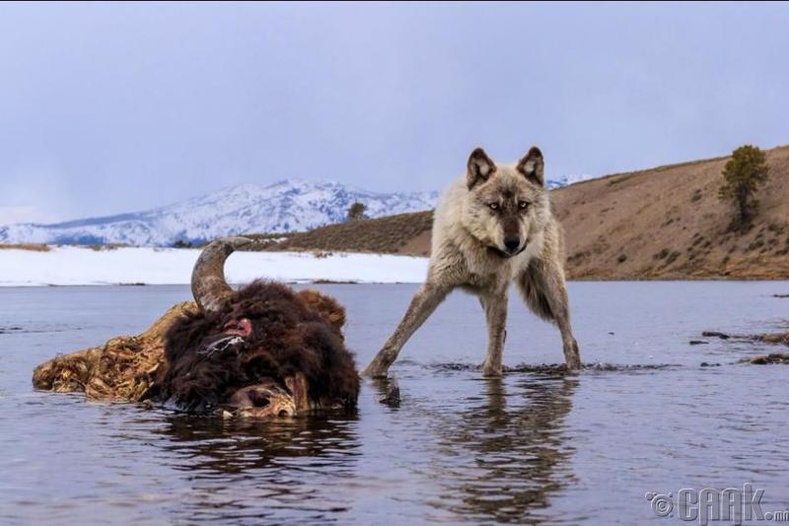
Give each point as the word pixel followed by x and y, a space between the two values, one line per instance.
pixel 488 267
pixel 480 269
pixel 462 256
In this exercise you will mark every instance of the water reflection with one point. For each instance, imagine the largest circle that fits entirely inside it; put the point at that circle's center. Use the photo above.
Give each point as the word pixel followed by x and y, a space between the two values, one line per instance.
pixel 216 446
pixel 508 450
pixel 252 471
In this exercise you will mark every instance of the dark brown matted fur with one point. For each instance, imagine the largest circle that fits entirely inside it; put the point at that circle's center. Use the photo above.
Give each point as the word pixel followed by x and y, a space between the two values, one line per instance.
pixel 292 332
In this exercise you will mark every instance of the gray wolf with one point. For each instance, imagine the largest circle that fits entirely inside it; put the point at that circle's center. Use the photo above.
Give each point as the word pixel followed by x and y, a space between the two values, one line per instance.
pixel 493 226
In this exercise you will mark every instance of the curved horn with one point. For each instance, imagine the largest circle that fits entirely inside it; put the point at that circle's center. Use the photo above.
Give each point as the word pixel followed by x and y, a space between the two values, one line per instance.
pixel 209 286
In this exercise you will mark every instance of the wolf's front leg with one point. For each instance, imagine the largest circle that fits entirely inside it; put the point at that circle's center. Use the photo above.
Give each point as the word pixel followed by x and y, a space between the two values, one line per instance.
pixel 495 306
pixel 427 298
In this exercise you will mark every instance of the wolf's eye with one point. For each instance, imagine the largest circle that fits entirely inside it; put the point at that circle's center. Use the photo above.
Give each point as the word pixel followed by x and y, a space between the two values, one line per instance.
pixel 523 205
pixel 493 206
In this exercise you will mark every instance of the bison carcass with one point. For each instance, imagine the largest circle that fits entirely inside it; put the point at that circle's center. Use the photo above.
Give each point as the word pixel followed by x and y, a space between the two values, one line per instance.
pixel 264 350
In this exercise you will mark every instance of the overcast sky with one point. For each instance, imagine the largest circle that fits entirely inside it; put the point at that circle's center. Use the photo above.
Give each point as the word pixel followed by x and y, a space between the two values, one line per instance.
pixel 120 107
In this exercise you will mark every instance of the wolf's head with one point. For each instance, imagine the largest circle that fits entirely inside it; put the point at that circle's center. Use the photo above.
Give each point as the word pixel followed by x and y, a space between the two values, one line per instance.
pixel 506 206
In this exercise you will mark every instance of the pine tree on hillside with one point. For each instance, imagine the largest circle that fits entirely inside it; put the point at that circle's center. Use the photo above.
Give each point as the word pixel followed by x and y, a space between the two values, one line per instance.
pixel 743 174
pixel 356 211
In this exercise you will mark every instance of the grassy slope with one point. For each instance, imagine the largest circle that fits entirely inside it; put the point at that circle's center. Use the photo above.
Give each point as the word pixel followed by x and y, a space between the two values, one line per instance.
pixel 663 223
pixel 386 235
pixel 668 223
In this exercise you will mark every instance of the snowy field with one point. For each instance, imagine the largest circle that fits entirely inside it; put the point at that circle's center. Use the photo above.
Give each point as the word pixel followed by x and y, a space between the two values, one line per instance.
pixel 169 266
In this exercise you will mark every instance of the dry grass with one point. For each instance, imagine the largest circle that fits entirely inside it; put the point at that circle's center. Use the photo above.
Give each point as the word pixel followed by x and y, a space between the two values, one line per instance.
pixel 385 235
pixel 663 223
pixel 108 246
pixel 35 247
pixel 671 225
pixel 122 369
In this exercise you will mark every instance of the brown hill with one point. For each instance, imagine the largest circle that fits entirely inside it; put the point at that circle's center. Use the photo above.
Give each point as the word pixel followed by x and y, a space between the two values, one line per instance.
pixel 668 223
pixel 398 234
pixel 663 223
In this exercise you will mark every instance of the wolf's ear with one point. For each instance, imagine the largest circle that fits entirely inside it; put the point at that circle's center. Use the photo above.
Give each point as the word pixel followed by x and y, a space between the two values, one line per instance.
pixel 533 167
pixel 480 167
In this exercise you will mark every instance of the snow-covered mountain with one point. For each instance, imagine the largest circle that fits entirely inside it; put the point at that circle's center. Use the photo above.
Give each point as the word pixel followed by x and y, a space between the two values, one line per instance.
pixel 566 180
pixel 286 206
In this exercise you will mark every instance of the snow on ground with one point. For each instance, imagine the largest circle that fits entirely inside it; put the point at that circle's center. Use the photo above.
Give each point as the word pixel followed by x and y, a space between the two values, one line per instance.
pixel 165 266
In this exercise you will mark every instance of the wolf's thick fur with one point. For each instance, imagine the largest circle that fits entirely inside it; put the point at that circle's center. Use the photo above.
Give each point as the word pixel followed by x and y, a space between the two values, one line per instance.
pixel 491 227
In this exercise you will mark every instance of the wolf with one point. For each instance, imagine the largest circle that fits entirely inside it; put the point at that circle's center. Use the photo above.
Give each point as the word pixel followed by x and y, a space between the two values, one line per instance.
pixel 493 226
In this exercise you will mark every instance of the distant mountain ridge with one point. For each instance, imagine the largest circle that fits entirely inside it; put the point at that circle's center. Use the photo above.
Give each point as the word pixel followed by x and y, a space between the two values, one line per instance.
pixel 286 206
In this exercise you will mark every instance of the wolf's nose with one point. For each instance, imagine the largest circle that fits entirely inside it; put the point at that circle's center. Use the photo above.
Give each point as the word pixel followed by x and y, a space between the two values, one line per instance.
pixel 512 243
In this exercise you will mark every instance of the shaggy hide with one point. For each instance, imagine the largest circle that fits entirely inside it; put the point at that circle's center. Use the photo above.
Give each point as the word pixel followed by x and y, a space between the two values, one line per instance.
pixel 265 333
pixel 290 342
pixel 122 369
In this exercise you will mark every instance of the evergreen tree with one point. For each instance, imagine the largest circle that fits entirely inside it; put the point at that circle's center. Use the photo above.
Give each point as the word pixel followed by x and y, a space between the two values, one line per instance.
pixel 743 174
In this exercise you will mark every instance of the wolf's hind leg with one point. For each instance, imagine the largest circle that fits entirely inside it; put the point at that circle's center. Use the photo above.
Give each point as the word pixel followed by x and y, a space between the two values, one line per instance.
pixel 543 287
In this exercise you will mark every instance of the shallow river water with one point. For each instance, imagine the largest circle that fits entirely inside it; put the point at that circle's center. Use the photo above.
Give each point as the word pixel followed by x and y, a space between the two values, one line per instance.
pixel 650 421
